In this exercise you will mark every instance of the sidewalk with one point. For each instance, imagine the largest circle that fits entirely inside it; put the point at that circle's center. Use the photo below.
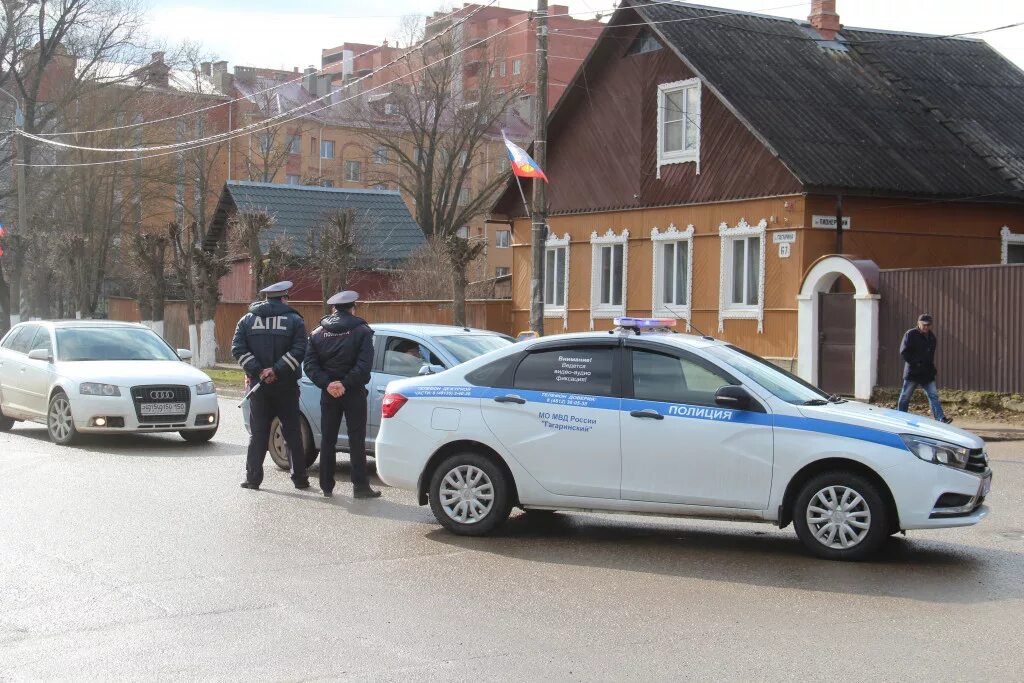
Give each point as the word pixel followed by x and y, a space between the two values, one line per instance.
pixel 993 431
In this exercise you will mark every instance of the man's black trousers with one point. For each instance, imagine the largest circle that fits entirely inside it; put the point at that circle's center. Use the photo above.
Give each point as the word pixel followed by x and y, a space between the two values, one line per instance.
pixel 352 407
pixel 269 402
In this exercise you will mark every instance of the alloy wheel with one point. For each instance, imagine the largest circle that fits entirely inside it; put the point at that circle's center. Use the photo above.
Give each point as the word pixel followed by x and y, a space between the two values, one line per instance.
pixel 467 494
pixel 838 517
pixel 61 422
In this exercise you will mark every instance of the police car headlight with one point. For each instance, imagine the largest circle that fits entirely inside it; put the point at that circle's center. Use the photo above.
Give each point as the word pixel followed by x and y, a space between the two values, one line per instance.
pixel 97 389
pixel 205 388
pixel 938 452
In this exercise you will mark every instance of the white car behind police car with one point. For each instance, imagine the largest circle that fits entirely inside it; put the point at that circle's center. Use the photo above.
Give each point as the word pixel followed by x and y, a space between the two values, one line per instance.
pixel 105 377
pixel 645 421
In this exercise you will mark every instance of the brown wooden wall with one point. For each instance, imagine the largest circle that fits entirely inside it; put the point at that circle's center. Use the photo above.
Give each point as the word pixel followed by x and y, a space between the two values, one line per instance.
pixel 979 321
pixel 603 142
pixel 487 314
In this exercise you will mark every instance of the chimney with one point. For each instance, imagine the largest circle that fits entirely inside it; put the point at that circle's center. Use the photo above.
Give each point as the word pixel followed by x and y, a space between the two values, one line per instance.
pixel 824 18
pixel 220 67
pixel 158 57
pixel 206 68
pixel 158 73
pixel 309 80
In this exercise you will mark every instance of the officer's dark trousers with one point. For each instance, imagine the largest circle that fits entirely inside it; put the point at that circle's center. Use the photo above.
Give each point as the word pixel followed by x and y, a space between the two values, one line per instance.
pixel 351 406
pixel 269 402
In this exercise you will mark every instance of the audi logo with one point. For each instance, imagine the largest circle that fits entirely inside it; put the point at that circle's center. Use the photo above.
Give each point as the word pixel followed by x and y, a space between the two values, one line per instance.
pixel 161 395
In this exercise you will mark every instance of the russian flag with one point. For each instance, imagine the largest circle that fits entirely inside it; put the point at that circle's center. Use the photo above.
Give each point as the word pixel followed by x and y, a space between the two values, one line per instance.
pixel 522 163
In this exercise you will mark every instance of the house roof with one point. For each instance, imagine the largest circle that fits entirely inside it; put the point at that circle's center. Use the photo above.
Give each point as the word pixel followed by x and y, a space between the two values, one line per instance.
pixel 382 218
pixel 873 110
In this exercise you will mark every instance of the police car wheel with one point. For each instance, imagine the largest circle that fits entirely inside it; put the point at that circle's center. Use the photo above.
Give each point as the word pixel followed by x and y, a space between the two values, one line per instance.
pixel 60 425
pixel 469 494
pixel 841 516
pixel 279 449
pixel 6 423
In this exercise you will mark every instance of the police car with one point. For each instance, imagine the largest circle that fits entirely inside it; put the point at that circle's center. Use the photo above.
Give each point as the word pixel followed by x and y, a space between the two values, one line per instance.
pixel 644 420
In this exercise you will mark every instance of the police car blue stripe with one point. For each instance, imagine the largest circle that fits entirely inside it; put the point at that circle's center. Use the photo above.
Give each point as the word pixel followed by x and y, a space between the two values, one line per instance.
pixel 679 410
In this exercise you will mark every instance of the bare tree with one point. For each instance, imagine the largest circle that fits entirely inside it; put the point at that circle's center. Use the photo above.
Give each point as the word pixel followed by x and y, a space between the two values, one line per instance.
pixel 247 230
pixel 147 261
pixel 432 140
pixel 427 276
pixel 52 52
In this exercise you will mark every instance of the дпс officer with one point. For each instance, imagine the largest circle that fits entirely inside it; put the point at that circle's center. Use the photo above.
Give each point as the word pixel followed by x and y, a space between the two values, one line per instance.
pixel 338 360
pixel 269 343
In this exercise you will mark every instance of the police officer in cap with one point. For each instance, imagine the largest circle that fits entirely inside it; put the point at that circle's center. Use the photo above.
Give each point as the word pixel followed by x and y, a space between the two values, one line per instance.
pixel 269 343
pixel 339 359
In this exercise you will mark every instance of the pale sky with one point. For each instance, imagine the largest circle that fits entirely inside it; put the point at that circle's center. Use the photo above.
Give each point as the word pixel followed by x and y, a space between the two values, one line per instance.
pixel 276 34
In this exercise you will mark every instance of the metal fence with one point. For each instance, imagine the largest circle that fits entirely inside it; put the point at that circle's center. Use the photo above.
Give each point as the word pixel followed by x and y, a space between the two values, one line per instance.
pixel 979 321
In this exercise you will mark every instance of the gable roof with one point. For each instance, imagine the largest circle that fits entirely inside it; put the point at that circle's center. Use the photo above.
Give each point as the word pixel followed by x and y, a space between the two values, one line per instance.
pixel 381 217
pixel 873 112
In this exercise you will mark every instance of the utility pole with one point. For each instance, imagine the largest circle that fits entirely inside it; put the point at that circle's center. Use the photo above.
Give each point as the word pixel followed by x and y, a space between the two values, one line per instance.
pixel 19 122
pixel 540 141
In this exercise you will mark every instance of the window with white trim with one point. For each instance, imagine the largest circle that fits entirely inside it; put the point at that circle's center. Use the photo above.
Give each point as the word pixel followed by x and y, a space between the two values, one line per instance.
pixel 294 144
pixel 517 67
pixel 353 171
pixel 742 272
pixel 672 271
pixel 503 239
pixel 608 279
pixel 293 179
pixel 327 149
pixel 679 123
pixel 1013 246
pixel 556 276
pixel 380 155
pixel 501 69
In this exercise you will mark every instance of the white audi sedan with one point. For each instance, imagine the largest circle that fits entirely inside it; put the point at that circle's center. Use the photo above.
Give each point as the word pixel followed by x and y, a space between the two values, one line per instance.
pixel 93 376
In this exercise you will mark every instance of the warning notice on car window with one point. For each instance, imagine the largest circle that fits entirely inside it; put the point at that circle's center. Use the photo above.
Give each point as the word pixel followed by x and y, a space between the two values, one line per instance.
pixel 573 368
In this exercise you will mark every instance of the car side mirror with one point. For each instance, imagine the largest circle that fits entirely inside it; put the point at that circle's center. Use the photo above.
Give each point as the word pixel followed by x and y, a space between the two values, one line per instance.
pixel 735 397
pixel 431 369
pixel 41 354
pixel 184 354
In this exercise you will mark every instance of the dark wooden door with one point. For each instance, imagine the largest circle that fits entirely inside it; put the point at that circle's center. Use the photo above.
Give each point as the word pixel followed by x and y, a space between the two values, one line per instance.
pixel 836 343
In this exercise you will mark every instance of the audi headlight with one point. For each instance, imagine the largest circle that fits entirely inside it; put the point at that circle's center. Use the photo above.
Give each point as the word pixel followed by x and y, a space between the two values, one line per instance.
pixel 205 388
pixel 938 452
pixel 98 389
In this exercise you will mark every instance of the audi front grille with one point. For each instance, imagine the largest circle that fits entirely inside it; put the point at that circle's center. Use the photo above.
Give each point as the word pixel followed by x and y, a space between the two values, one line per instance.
pixel 161 394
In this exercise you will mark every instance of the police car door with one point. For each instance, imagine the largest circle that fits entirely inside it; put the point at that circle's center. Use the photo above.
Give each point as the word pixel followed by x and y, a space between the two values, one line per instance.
pixel 678 445
pixel 559 418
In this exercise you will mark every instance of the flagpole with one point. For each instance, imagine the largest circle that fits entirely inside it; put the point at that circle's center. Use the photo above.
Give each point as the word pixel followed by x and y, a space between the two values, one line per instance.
pixel 522 194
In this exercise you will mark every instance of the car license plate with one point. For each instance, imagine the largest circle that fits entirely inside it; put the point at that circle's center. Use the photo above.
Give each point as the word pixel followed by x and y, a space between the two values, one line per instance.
pixel 163 409
pixel 986 485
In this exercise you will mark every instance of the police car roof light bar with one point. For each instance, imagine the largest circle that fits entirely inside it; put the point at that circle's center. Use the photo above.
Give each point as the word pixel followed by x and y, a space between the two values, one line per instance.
pixel 644 324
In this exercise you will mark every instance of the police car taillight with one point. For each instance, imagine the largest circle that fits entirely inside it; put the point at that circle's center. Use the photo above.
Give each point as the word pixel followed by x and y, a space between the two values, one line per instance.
pixel 391 404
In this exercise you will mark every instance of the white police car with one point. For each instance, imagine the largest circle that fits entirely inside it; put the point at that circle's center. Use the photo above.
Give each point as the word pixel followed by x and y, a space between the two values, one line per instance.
pixel 643 421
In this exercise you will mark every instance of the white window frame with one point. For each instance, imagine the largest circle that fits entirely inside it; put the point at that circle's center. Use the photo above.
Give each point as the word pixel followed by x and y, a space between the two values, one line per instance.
pixel 501 69
pixel 682 156
pixel 358 175
pixel 551 244
pixel 726 309
pixel 327 146
pixel 517 67
pixel 292 176
pixel 380 155
pixel 507 240
pixel 295 144
pixel 1008 239
pixel 598 310
pixel 671 235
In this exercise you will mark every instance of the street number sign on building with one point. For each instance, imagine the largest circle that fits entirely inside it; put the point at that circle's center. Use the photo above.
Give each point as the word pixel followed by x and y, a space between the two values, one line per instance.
pixel 784 249
pixel 829 222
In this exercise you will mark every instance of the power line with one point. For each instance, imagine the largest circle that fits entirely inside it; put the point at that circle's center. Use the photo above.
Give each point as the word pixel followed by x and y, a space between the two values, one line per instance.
pixel 264 123
pixel 230 135
pixel 265 90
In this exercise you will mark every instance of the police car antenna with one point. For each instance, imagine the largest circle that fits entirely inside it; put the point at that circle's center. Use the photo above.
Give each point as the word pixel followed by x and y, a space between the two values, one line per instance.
pixel 689 322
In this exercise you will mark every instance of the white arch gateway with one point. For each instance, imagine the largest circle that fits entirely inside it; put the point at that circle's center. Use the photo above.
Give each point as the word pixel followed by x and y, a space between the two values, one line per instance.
pixel 820 277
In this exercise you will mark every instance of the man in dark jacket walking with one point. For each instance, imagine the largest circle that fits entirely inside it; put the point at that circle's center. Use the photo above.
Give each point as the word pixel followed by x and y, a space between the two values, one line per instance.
pixel 269 343
pixel 918 352
pixel 339 359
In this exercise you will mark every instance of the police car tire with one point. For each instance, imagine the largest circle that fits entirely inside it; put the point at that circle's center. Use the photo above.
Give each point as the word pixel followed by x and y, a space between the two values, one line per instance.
pixel 878 526
pixel 501 505
pixel 307 442
pixel 6 423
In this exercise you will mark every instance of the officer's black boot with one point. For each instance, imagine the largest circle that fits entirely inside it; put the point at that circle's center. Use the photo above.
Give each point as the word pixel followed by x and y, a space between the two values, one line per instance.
pixel 365 492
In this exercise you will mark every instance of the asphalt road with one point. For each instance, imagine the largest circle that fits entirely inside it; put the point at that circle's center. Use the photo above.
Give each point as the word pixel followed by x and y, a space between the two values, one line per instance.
pixel 141 558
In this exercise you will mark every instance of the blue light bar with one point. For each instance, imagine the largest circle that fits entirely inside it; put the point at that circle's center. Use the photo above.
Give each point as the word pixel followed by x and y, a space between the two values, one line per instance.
pixel 645 323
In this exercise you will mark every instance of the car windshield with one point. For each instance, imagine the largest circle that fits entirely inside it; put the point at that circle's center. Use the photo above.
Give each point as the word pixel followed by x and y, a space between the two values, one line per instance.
pixel 468 346
pixel 782 384
pixel 111 343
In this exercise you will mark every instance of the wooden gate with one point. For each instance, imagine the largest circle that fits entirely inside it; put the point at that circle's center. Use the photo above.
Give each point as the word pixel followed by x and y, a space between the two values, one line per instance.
pixel 836 342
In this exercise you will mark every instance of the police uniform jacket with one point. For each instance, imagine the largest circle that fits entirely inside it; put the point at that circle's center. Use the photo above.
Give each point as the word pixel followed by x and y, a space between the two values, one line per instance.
pixel 918 352
pixel 271 335
pixel 340 350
